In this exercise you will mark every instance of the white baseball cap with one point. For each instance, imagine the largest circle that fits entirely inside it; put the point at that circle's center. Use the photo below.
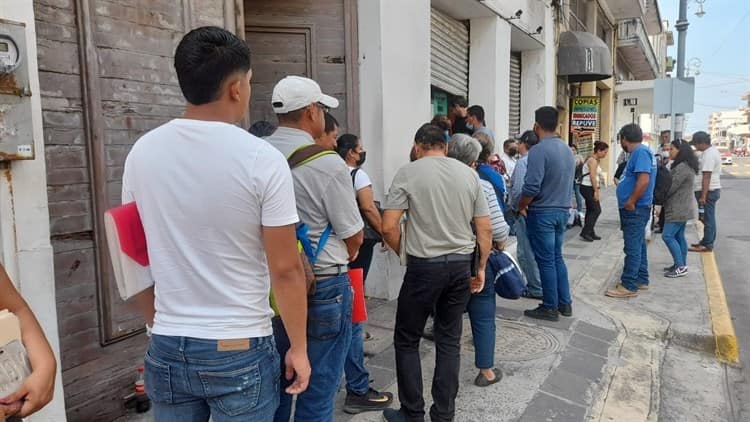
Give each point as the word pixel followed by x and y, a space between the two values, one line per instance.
pixel 295 92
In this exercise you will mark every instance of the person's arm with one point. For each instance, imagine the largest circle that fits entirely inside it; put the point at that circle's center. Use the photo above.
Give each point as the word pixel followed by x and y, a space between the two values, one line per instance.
pixel 532 184
pixel 144 304
pixel 641 184
pixel 368 208
pixel 391 232
pixel 37 390
pixel 353 244
pixel 290 292
pixel 705 185
pixel 484 242
pixel 341 208
pixel 594 176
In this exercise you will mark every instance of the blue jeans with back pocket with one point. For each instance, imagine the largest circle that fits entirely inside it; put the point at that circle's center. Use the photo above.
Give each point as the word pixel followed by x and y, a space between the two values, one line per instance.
pixel 188 379
pixel 329 334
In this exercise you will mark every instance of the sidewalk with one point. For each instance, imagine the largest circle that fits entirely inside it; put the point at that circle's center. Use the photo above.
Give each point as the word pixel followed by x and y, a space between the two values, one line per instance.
pixel 647 358
pixel 641 359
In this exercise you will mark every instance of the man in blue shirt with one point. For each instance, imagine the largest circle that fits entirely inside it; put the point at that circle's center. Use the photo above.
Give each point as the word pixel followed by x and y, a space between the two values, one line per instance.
pixel 635 194
pixel 545 200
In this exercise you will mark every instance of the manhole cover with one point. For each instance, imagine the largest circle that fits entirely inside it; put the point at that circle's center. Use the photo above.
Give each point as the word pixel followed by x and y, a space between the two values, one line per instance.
pixel 520 342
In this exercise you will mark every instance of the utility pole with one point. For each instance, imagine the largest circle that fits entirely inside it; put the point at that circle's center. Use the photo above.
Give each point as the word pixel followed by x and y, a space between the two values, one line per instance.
pixel 681 25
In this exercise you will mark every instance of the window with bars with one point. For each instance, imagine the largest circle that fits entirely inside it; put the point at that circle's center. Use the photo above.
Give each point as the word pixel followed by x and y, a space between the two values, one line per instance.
pixel 577 15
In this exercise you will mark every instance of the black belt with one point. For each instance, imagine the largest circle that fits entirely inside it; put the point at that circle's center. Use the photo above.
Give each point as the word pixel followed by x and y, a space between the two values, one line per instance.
pixel 333 271
pixel 444 259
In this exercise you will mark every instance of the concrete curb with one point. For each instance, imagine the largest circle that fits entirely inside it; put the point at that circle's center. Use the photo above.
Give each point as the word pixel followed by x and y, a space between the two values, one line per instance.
pixel 721 319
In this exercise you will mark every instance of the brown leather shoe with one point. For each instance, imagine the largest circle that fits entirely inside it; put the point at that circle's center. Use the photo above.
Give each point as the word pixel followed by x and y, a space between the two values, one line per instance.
pixel 620 292
pixel 699 248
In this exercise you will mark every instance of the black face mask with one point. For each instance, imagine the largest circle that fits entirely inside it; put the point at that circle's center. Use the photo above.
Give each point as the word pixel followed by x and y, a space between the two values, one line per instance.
pixel 362 157
pixel 512 152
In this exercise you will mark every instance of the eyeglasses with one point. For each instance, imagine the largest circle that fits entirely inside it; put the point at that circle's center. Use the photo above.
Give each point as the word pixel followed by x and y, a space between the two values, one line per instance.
pixel 323 107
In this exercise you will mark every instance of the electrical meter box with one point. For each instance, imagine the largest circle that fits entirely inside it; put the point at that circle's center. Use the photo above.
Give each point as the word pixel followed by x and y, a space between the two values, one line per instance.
pixel 16 130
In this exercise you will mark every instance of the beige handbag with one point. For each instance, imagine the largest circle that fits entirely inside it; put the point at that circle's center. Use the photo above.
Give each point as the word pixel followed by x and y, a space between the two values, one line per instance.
pixel 14 362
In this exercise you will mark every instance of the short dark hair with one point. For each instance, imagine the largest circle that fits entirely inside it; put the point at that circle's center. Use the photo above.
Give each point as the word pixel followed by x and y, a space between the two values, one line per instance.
pixel 331 123
pixel 459 101
pixel 293 116
pixel 546 118
pixel 665 131
pixel 476 111
pixel 262 128
pixel 529 139
pixel 508 142
pixel 346 143
pixel 441 121
pixel 600 146
pixel 701 137
pixel 430 136
pixel 632 133
pixel 205 58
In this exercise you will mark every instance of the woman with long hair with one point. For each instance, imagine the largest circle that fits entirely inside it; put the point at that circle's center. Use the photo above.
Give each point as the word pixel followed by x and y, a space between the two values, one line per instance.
pixel 591 172
pixel 679 206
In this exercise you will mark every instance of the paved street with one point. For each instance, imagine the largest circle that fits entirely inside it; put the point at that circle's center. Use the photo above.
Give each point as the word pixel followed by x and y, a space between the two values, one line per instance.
pixel 732 249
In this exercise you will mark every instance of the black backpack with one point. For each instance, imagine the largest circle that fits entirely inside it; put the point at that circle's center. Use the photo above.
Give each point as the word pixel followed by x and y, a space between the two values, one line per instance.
pixel 663 184
pixel 579 174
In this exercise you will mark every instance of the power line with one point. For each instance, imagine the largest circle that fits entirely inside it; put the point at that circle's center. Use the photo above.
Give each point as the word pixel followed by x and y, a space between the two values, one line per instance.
pixel 728 34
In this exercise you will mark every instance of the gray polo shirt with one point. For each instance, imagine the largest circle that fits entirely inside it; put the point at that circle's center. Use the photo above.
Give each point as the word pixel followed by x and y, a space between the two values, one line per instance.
pixel 442 196
pixel 323 190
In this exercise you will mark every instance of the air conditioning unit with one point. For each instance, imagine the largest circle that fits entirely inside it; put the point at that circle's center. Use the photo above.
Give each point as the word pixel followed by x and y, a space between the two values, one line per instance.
pixel 669 64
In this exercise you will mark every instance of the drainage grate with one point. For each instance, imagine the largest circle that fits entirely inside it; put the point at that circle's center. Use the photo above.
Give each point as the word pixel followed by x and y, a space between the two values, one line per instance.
pixel 521 342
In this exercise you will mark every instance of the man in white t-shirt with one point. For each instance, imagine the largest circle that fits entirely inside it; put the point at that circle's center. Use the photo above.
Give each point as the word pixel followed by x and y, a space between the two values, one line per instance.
pixel 218 210
pixel 707 189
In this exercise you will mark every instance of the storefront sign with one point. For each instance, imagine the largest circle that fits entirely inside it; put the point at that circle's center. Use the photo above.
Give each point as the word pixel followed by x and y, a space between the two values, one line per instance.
pixel 584 121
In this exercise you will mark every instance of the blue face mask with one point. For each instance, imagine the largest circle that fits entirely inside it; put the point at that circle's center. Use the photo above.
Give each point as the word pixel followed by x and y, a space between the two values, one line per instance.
pixel 469 126
pixel 447 135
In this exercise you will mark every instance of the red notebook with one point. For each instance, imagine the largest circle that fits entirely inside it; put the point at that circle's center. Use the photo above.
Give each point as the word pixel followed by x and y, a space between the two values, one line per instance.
pixel 126 240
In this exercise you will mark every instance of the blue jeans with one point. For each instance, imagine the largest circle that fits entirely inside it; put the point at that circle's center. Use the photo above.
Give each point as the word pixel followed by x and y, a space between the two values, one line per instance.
pixel 526 258
pixel 187 379
pixel 709 218
pixel 546 232
pixel 481 309
pixel 674 237
pixel 579 197
pixel 635 269
pixel 329 334
pixel 357 377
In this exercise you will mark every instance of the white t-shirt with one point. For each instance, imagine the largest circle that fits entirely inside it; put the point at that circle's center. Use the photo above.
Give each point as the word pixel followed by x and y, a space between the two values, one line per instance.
pixel 204 190
pixel 710 160
pixel 361 179
pixel 586 181
pixel 510 164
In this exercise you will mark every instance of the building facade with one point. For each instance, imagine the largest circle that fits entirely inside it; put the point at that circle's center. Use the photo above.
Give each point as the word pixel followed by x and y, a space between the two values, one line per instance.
pixel 101 75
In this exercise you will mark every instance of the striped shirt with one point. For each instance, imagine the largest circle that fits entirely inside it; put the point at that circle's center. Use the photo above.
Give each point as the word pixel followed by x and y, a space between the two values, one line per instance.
pixel 500 228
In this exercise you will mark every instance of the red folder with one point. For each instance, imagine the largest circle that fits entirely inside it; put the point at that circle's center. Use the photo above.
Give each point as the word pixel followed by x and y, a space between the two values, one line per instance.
pixel 128 251
pixel 359 310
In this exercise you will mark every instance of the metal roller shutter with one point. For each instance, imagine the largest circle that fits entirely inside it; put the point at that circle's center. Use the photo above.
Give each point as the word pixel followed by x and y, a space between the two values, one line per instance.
pixel 449 54
pixel 514 119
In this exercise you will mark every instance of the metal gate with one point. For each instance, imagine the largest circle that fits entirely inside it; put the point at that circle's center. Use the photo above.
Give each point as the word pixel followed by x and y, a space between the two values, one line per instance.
pixel 514 118
pixel 449 53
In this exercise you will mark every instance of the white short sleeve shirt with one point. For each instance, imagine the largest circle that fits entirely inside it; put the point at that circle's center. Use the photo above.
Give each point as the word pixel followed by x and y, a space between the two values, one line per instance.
pixel 710 160
pixel 204 191
pixel 361 179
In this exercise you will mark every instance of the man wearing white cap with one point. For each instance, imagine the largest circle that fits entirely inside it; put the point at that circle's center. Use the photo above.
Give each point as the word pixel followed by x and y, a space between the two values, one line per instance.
pixel 326 204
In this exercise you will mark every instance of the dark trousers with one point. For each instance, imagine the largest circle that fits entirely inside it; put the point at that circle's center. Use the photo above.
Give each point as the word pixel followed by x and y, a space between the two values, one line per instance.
pixel 364 258
pixel 445 288
pixel 593 211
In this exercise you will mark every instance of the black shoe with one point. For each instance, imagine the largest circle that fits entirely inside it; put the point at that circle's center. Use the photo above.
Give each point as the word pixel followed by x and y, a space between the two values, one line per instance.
pixel 371 400
pixel 595 237
pixel 481 381
pixel 528 295
pixel 565 310
pixel 543 312
pixel 393 415
pixel 669 269
pixel 587 238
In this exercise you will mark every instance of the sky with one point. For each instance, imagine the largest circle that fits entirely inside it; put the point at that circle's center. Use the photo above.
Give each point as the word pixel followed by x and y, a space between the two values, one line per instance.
pixel 720 40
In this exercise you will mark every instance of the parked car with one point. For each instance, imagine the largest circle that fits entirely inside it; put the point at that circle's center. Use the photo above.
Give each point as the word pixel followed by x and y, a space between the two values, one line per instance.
pixel 726 156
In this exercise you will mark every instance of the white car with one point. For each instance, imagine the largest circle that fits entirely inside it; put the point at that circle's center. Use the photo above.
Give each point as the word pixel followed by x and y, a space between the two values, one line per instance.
pixel 726 156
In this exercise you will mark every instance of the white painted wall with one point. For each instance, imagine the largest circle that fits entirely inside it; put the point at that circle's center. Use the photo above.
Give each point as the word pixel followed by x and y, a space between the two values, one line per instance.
pixel 394 65
pixel 489 79
pixel 24 214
